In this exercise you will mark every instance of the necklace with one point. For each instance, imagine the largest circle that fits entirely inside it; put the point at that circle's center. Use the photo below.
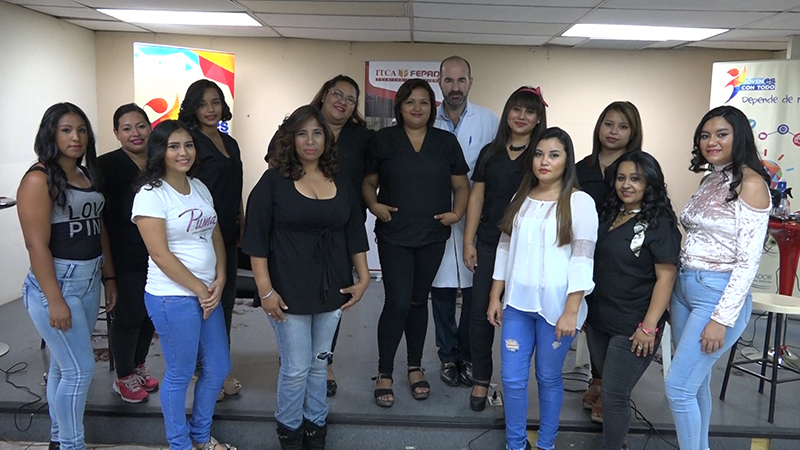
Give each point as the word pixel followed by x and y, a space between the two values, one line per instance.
pixel 515 148
pixel 630 212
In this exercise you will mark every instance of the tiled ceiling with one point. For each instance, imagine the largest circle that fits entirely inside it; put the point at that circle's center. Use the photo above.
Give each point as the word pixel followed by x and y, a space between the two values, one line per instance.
pixel 754 25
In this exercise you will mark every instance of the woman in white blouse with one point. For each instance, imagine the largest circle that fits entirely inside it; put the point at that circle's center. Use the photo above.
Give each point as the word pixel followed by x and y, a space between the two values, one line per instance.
pixel 725 224
pixel 549 220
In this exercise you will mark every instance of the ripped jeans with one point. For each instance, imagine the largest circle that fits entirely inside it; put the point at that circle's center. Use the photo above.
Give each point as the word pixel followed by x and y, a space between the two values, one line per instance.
pixel 523 332
pixel 304 342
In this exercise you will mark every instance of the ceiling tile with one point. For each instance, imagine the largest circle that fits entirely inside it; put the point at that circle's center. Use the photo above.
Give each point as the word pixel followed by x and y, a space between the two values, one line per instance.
pixel 210 30
pixel 340 22
pixel 721 19
pixel 72 13
pixel 567 41
pixel 334 8
pixel 744 34
pixel 740 45
pixel 469 38
pixel 783 21
pixel 176 5
pixel 705 5
pixel 607 44
pixel 553 3
pixel 666 44
pixel 107 25
pixel 45 3
pixel 487 27
pixel 499 13
pixel 346 35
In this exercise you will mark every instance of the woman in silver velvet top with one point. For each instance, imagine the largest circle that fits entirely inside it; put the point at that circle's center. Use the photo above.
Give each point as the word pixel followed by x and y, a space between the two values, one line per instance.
pixel 725 224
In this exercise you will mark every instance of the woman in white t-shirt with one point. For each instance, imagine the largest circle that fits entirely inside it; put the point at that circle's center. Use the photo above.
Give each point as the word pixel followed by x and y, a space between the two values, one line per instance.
pixel 185 275
pixel 549 220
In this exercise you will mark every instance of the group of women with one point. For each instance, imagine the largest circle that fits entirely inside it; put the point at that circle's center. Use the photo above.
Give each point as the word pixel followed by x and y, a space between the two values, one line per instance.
pixel 554 246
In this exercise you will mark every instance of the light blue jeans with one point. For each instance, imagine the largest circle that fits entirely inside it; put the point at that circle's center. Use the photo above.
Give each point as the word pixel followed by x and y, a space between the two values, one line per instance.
pixel 524 332
pixel 304 342
pixel 184 335
pixel 688 386
pixel 71 353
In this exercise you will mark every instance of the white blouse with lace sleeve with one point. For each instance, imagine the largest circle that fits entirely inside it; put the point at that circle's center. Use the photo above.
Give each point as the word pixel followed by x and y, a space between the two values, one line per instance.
pixel 724 236
pixel 539 274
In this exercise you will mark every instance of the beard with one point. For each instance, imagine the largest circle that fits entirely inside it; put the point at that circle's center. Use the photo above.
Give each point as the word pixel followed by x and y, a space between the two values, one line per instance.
pixel 455 103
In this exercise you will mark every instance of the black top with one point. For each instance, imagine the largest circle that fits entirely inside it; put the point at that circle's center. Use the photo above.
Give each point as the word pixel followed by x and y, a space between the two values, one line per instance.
pixel 418 184
pixel 592 182
pixel 118 174
pixel 623 282
pixel 308 243
pixel 223 178
pixel 501 177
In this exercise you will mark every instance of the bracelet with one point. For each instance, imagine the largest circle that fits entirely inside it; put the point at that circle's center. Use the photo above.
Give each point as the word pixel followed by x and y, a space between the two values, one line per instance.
pixel 646 331
pixel 469 243
pixel 104 279
pixel 266 296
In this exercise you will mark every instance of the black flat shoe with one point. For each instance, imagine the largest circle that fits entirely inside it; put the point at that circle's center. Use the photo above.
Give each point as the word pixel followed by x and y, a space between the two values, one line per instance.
pixel 54 445
pixel 331 388
pixel 449 374
pixel 479 403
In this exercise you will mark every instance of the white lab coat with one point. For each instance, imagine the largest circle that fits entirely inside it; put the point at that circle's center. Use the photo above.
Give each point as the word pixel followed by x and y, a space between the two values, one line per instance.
pixel 477 128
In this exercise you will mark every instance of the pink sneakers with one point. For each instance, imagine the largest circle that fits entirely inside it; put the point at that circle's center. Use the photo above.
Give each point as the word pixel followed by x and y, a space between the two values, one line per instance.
pixel 148 382
pixel 130 389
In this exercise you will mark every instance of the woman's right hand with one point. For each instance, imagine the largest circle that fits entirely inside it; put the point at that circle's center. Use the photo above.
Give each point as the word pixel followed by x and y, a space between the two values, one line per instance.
pixel 382 212
pixel 60 315
pixel 470 256
pixel 274 307
pixel 495 312
pixel 211 299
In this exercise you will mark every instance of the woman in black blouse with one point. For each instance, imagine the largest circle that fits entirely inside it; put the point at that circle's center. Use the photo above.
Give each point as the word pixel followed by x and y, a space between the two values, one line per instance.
pixel 497 176
pixel 418 167
pixel 637 250
pixel 219 164
pixel 304 234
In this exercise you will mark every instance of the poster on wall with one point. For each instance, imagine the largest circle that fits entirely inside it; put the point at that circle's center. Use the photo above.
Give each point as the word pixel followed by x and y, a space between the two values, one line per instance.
pixel 161 75
pixel 768 92
pixel 383 78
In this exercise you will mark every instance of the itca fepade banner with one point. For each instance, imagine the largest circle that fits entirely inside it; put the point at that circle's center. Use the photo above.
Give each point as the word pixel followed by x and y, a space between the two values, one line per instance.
pixel 768 92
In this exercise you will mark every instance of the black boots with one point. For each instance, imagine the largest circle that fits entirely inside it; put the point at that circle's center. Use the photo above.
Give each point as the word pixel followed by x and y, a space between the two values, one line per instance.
pixel 308 437
pixel 290 439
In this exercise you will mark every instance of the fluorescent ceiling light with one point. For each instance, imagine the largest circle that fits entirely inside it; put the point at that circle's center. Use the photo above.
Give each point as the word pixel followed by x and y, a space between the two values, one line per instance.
pixel 641 32
pixel 182 17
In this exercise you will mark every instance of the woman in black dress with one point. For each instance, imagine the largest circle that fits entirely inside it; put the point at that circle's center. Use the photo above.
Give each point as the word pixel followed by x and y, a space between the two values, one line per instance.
pixel 418 168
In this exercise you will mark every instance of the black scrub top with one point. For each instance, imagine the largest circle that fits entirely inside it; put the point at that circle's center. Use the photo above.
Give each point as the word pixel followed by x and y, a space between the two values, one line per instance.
pixel 591 180
pixel 501 177
pixel 223 177
pixel 418 184
pixel 308 243
pixel 624 282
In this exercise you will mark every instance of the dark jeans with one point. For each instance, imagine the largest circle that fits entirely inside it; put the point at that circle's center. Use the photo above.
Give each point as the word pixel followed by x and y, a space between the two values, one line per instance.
pixel 621 370
pixel 481 332
pixel 451 339
pixel 131 328
pixel 228 299
pixel 407 277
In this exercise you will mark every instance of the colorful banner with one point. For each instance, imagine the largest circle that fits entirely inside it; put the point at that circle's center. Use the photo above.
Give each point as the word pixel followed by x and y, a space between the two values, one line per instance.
pixel 163 73
pixel 768 92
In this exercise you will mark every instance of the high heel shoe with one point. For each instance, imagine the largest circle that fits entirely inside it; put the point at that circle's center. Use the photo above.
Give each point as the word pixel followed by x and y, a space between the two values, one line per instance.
pixel 421 384
pixel 478 403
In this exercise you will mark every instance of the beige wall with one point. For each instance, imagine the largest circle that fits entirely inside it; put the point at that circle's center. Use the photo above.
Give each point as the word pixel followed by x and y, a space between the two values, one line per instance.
pixel 45 61
pixel 273 76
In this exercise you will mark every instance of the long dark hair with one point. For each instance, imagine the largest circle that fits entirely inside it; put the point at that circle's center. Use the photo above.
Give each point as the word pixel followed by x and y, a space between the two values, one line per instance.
pixel 356 117
pixel 631 114
pixel 194 98
pixel 48 154
pixel 286 158
pixel 656 204
pixel 569 183
pixel 128 108
pixel 743 150
pixel 524 97
pixel 156 168
pixel 405 90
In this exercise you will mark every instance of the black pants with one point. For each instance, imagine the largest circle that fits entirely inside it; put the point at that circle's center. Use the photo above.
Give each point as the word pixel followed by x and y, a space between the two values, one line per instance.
pixel 481 332
pixel 131 328
pixel 228 298
pixel 621 370
pixel 407 277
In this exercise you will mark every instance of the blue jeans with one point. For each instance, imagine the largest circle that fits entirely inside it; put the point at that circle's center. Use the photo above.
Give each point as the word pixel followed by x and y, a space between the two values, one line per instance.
pixel 451 339
pixel 71 353
pixel 688 384
pixel 184 335
pixel 304 342
pixel 524 332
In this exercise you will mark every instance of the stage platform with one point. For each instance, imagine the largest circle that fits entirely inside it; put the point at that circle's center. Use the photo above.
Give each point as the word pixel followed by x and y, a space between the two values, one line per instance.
pixel 444 421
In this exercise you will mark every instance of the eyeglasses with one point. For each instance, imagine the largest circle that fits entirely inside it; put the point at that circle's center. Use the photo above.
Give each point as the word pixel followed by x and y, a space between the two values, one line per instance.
pixel 350 100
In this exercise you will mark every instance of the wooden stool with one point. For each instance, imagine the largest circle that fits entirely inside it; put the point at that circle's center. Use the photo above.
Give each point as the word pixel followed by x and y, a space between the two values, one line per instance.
pixel 777 306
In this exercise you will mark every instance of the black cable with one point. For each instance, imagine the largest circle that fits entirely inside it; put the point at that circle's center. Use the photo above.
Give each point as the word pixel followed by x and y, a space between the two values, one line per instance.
pixel 494 424
pixel 641 417
pixel 12 370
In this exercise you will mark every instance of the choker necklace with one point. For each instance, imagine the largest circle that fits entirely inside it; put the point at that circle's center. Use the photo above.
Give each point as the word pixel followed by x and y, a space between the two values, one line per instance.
pixel 514 148
pixel 623 212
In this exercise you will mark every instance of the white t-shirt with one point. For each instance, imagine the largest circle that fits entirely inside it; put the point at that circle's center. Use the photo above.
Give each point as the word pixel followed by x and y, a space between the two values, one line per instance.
pixel 190 221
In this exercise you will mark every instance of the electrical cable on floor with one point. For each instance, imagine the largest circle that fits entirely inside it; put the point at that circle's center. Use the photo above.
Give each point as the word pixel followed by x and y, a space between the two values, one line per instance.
pixel 494 424
pixel 641 417
pixel 12 370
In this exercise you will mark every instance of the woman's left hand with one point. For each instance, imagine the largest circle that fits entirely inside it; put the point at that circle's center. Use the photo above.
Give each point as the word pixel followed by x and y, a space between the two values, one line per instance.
pixel 447 218
pixel 357 291
pixel 567 325
pixel 713 337
pixel 641 343
pixel 111 294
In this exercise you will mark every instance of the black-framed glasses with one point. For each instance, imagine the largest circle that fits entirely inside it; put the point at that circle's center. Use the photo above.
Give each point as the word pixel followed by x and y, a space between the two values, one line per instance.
pixel 350 100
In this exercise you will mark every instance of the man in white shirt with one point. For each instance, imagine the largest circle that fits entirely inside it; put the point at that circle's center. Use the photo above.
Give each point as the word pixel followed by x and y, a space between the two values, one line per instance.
pixel 474 126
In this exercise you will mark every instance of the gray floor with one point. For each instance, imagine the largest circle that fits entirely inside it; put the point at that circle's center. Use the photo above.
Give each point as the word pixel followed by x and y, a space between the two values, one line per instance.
pixel 443 422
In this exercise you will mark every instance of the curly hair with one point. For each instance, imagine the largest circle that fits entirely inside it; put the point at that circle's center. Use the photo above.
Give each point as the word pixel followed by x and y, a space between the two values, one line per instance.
pixel 355 117
pixel 743 150
pixel 194 99
pixel 656 205
pixel 629 111
pixel 156 168
pixel 48 153
pixel 286 158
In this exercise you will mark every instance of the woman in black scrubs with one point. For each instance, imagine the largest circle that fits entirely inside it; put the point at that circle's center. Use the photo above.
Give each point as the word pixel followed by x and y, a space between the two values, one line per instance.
pixel 497 176
pixel 219 164
pixel 418 168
